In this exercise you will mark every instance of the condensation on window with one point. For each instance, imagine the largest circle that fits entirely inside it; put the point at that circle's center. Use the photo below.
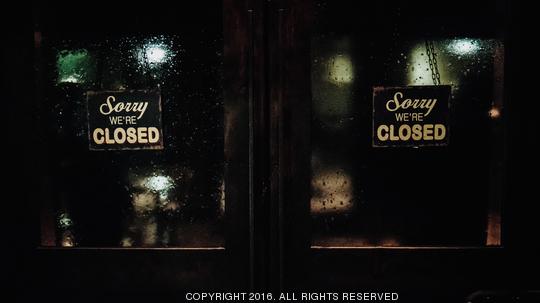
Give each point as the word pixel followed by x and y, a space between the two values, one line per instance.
pixel 406 196
pixel 168 198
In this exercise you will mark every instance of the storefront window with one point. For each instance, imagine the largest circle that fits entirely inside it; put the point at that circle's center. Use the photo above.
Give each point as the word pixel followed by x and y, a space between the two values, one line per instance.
pixel 403 196
pixel 166 197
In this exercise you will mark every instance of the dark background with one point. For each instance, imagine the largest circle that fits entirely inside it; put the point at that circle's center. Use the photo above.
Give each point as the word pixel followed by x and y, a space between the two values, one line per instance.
pixel 512 270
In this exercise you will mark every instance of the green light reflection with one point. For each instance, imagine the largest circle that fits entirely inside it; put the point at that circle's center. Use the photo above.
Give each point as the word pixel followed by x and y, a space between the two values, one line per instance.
pixel 75 66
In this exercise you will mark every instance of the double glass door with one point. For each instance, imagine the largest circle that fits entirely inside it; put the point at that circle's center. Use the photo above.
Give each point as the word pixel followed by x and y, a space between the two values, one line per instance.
pixel 257 168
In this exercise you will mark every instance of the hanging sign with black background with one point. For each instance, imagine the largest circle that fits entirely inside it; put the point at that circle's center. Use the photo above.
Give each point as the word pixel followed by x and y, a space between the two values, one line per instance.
pixel 124 120
pixel 411 116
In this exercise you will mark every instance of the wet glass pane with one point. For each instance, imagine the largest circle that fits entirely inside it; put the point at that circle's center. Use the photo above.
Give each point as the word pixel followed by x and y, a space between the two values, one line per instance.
pixel 403 196
pixel 172 197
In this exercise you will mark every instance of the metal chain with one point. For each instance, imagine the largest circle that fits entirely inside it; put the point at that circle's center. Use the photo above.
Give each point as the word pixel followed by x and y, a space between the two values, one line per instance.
pixel 432 58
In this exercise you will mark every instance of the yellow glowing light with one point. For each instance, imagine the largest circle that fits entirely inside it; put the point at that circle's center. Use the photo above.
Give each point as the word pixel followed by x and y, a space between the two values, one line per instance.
pixel 126 242
pixel 67 239
pixel 340 69
pixel 389 242
pixel 332 192
pixel 419 71
pixel 67 243
pixel 144 202
pixel 494 113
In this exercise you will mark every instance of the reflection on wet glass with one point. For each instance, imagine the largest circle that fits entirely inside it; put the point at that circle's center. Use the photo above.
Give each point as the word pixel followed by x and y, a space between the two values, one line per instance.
pixel 494 113
pixel 340 69
pixel 174 197
pixel 76 66
pixel 65 225
pixel 333 78
pixel 463 46
pixel 153 197
pixel 332 191
pixel 154 55
pixel 456 59
pixel 398 196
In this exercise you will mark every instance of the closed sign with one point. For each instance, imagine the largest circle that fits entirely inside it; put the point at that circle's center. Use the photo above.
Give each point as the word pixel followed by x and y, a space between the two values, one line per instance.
pixel 124 120
pixel 411 116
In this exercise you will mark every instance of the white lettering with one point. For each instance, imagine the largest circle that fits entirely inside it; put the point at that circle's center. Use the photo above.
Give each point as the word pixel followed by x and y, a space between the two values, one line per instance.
pixel 108 108
pixel 396 103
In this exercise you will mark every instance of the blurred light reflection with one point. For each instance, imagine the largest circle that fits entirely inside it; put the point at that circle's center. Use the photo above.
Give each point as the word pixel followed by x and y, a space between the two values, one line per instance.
pixel 153 53
pixel 494 113
pixel 463 46
pixel 332 192
pixel 158 183
pixel 340 69
pixel 75 66
pixel 156 53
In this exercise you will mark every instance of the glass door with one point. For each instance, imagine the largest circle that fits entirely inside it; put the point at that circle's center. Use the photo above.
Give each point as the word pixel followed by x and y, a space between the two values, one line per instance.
pixel 302 145
pixel 142 149
pixel 373 183
pixel 391 208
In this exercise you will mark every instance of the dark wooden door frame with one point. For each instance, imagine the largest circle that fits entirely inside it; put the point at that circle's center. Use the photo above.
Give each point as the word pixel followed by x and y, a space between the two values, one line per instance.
pixel 267 81
pixel 279 94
